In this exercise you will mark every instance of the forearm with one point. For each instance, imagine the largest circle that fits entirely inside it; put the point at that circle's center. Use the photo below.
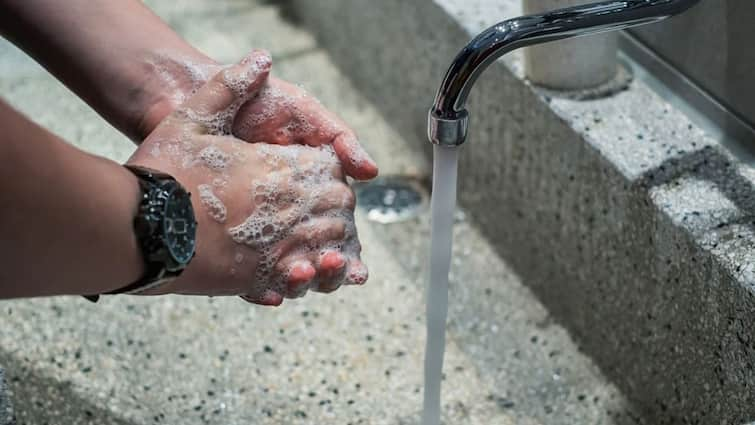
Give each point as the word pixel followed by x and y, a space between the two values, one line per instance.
pixel 115 54
pixel 65 216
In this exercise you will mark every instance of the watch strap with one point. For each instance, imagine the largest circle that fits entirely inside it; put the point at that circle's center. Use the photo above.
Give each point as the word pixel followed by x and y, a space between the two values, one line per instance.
pixel 155 273
pixel 152 278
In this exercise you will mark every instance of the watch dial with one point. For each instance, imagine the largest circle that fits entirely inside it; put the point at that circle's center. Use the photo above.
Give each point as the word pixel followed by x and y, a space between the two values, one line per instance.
pixel 180 226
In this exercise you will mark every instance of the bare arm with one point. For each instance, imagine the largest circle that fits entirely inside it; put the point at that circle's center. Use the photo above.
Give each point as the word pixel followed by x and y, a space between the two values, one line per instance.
pixel 132 68
pixel 107 52
pixel 65 216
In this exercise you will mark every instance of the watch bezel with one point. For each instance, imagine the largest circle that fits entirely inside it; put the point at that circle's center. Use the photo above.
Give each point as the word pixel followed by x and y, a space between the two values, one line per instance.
pixel 175 192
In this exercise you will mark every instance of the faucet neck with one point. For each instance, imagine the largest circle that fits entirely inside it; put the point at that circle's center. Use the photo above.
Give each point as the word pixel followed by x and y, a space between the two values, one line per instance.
pixel 512 34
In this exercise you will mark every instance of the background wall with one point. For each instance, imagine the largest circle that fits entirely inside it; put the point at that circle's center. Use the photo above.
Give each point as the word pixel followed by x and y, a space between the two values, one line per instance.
pixel 712 44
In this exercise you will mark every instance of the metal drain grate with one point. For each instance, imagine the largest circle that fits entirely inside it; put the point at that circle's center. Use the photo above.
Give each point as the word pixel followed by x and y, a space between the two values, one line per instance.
pixel 391 199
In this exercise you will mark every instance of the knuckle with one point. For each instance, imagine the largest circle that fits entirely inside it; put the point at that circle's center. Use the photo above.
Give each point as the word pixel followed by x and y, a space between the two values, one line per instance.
pixel 339 230
pixel 349 197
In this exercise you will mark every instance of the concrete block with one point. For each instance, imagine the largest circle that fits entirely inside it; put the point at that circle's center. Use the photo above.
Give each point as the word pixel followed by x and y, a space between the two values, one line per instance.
pixel 536 372
pixel 575 196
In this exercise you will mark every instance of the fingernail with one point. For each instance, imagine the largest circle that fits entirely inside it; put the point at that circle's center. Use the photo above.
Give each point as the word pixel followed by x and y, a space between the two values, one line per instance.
pixel 260 61
pixel 332 260
pixel 361 159
pixel 301 272
pixel 271 298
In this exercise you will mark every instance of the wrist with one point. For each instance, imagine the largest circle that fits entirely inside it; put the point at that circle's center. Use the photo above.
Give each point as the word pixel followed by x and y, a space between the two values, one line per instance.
pixel 124 245
pixel 164 229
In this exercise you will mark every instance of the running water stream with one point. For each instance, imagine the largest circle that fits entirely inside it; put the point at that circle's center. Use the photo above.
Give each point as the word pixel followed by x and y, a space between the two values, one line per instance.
pixel 443 205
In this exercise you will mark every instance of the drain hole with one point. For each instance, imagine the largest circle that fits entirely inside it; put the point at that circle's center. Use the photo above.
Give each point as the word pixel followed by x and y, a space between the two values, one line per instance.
pixel 391 199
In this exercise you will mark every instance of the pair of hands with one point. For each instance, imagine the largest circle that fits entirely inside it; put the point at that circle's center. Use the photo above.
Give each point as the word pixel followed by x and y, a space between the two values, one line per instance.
pixel 266 164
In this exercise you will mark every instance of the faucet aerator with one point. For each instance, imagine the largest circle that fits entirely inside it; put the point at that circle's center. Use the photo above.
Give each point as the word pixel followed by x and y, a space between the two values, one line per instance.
pixel 447 132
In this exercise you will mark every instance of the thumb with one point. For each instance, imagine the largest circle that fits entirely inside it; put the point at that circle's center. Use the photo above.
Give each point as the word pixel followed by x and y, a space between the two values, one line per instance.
pixel 355 160
pixel 216 103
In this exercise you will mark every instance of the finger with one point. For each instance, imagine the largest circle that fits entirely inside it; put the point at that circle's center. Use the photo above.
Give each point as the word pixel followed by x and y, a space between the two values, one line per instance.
pixel 337 196
pixel 355 160
pixel 332 263
pixel 329 286
pixel 311 234
pixel 298 272
pixel 230 87
pixel 330 275
pixel 268 298
pixel 321 161
pixel 356 273
pixel 255 121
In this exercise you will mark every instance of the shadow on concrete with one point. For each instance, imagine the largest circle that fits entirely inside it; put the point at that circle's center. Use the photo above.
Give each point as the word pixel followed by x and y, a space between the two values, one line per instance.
pixel 41 401
pixel 709 164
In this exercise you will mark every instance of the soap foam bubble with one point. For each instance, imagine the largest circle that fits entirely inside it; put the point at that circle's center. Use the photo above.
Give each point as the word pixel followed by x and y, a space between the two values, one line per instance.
pixel 278 210
pixel 155 150
pixel 220 122
pixel 180 74
pixel 272 101
pixel 214 206
pixel 214 158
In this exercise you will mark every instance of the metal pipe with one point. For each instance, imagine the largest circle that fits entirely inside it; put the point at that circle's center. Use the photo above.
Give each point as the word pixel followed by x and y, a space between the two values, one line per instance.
pixel 448 119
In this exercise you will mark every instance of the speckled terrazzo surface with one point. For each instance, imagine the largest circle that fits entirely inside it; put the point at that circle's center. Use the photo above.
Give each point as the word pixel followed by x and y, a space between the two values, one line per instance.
pixel 351 358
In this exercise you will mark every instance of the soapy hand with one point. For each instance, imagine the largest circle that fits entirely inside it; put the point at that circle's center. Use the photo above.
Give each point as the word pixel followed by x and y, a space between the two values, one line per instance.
pixel 275 220
pixel 284 114
pixel 278 113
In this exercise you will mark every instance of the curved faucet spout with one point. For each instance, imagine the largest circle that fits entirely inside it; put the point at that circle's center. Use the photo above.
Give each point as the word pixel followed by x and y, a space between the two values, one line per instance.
pixel 448 119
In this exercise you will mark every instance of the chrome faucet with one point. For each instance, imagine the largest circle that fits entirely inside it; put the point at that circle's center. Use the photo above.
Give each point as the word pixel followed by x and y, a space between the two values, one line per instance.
pixel 448 120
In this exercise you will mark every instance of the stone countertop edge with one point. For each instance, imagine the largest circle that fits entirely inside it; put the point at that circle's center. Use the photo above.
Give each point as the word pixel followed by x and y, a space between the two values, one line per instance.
pixel 631 224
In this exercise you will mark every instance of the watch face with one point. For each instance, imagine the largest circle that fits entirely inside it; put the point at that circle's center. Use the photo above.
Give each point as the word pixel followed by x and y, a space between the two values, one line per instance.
pixel 180 227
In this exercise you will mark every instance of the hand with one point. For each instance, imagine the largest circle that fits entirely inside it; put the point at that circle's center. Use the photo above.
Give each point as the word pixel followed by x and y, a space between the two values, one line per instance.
pixel 274 221
pixel 279 113
pixel 284 114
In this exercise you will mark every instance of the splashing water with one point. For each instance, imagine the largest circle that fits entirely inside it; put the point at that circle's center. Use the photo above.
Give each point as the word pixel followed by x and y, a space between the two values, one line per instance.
pixel 443 205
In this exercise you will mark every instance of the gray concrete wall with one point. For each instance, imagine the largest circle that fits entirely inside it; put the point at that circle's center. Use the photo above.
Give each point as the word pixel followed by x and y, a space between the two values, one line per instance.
pixel 712 44
pixel 632 225
pixel 6 410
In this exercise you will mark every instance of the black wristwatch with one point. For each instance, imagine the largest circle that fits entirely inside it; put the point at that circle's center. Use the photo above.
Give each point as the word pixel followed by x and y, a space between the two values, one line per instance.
pixel 165 229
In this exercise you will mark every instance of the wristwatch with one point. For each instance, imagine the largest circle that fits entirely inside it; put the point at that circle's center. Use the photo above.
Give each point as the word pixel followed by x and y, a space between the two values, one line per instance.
pixel 165 229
